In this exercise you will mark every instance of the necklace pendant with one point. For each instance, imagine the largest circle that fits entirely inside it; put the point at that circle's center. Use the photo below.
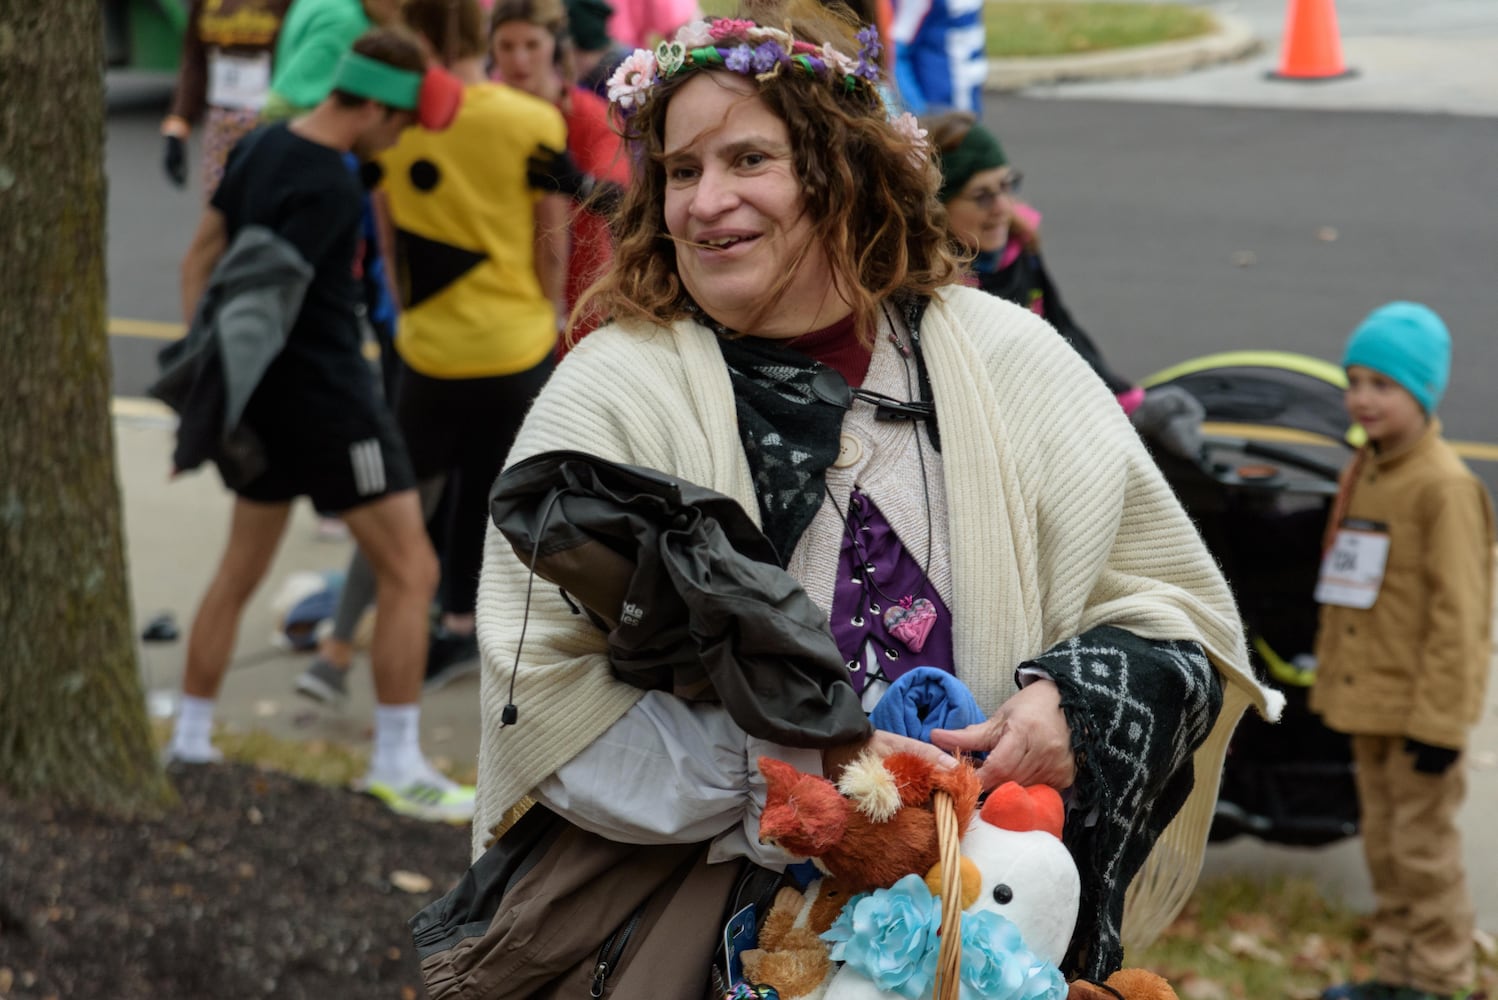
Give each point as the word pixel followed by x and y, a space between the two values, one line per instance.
pixel 911 621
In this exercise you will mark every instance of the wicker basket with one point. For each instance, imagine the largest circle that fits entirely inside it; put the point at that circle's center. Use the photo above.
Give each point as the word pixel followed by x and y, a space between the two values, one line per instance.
pixel 949 958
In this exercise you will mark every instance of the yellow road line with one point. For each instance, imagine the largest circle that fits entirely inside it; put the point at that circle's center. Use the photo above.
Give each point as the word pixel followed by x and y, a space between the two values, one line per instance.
pixel 152 330
pixel 1477 451
pixel 137 408
pixel 144 328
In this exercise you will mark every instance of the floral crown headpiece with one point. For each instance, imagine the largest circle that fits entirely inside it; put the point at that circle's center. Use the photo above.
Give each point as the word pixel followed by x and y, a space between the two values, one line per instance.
pixel 744 47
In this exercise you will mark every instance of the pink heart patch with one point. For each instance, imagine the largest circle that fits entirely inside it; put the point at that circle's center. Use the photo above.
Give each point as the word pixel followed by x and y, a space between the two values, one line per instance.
pixel 911 622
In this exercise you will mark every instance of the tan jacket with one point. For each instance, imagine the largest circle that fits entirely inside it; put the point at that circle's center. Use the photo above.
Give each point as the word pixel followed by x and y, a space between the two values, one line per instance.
pixel 1415 664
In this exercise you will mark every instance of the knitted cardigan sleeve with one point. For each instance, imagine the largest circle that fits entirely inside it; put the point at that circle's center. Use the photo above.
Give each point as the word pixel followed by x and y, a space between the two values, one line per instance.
pixel 620 396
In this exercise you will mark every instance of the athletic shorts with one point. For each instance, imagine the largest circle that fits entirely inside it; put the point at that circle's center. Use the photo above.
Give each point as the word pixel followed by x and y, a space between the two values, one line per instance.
pixel 338 466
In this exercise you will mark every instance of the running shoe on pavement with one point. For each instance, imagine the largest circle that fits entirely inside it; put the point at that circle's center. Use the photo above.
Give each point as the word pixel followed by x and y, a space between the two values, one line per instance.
pixel 324 682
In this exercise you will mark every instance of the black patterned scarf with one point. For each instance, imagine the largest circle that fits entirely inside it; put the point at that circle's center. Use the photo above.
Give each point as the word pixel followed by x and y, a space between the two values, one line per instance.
pixel 1138 709
pixel 790 434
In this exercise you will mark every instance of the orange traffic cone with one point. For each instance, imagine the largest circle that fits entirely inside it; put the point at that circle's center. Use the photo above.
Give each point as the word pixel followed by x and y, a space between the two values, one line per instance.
pixel 1312 49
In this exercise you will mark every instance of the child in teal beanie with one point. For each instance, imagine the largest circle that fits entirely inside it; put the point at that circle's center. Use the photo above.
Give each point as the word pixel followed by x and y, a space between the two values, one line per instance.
pixel 1403 648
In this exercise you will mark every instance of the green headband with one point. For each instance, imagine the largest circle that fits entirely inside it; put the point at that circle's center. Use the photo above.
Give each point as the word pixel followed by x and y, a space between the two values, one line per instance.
pixel 378 81
pixel 978 151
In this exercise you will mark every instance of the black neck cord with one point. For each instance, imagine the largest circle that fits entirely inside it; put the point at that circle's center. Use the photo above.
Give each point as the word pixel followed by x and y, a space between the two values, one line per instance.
pixel 511 713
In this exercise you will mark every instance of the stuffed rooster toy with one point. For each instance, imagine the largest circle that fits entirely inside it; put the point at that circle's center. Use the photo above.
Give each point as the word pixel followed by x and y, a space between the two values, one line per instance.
pixel 874 826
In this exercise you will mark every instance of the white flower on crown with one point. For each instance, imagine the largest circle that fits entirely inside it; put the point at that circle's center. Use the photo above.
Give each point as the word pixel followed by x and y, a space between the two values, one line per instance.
pixel 634 77
pixel 694 35
pixel 908 127
pixel 760 33
pixel 837 59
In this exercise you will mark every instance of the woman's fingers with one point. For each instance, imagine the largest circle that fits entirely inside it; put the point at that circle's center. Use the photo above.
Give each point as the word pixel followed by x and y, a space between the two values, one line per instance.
pixel 1027 740
pixel 885 744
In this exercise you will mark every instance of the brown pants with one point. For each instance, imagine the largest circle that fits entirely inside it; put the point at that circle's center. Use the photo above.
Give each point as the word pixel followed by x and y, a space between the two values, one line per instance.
pixel 1423 923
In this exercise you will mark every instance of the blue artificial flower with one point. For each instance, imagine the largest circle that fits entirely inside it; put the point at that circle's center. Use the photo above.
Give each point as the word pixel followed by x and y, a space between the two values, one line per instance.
pixel 766 56
pixel 890 935
pixel 997 965
pixel 739 59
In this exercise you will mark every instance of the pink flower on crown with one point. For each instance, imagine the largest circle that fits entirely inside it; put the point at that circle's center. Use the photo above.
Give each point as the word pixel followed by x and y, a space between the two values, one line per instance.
pixel 635 76
pixel 909 129
pixel 695 35
pixel 731 27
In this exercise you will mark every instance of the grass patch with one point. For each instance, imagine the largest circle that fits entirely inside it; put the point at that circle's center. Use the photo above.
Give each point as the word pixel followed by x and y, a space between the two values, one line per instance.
pixel 1278 937
pixel 1061 27
pixel 1066 27
pixel 323 762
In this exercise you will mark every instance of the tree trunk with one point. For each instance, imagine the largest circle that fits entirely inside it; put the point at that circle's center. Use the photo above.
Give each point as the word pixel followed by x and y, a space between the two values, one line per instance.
pixel 73 724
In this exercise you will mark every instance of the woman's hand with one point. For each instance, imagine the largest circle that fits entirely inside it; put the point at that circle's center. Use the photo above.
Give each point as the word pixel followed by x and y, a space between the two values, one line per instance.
pixel 1028 740
pixel 834 759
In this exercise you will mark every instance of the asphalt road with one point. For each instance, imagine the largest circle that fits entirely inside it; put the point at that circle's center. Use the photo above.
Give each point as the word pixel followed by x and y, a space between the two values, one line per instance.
pixel 1173 231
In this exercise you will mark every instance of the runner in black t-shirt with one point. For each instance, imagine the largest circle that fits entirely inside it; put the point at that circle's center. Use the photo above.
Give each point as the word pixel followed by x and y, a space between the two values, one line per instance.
pixel 317 413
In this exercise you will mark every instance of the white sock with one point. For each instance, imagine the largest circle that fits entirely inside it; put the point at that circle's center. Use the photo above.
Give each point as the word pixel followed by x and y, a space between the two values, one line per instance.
pixel 190 735
pixel 397 744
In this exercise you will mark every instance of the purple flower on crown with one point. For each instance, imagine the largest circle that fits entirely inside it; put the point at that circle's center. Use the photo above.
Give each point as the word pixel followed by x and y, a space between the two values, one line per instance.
pixel 767 56
pixel 739 59
pixel 869 48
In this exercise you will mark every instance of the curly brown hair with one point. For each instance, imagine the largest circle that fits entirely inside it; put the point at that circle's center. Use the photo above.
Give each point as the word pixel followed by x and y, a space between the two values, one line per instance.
pixel 870 194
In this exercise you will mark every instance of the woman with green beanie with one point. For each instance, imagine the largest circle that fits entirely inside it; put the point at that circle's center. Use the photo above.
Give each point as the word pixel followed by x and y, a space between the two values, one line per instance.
pixel 999 233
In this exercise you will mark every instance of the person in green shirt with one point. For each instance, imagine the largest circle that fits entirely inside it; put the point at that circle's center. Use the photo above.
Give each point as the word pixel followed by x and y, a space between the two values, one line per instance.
pixel 314 36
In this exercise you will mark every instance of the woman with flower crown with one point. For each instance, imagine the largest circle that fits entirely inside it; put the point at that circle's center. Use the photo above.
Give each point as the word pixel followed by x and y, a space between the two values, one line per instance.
pixel 782 286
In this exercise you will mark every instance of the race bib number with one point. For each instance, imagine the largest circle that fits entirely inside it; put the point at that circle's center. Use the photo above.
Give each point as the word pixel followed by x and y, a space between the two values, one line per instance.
pixel 1352 571
pixel 238 81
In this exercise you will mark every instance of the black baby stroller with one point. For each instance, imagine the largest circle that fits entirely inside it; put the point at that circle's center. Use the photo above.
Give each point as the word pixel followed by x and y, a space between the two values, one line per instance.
pixel 1256 465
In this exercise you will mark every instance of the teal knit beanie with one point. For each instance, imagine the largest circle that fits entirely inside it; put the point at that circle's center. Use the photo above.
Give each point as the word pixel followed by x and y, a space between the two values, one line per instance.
pixel 1408 343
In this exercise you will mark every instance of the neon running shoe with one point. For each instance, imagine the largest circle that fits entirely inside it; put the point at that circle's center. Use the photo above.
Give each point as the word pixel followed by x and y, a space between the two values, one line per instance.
pixel 429 796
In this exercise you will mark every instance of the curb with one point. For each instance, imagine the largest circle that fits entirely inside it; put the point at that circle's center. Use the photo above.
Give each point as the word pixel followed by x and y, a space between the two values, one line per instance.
pixel 1231 39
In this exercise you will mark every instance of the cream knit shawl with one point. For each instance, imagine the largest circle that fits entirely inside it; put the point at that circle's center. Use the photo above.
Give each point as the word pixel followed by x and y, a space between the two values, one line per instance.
pixel 1059 522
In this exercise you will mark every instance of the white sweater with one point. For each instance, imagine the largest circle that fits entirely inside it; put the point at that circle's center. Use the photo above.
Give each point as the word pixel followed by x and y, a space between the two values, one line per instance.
pixel 1059 522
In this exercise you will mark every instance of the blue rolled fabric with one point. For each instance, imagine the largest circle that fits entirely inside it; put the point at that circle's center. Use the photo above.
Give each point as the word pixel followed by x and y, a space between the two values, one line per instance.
pixel 924 699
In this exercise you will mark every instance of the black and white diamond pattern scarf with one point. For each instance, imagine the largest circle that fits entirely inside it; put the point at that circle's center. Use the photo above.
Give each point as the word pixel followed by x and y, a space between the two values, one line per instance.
pixel 1138 709
pixel 790 435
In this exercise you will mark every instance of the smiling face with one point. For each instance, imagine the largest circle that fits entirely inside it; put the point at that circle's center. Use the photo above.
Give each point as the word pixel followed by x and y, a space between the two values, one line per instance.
pixel 980 213
pixel 525 55
pixel 734 204
pixel 1385 409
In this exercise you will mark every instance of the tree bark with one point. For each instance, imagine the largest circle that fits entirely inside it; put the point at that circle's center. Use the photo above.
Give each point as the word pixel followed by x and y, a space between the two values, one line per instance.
pixel 73 725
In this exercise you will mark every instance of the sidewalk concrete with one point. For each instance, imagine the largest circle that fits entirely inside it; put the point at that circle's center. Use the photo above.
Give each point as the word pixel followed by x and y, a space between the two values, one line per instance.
pixel 1438 56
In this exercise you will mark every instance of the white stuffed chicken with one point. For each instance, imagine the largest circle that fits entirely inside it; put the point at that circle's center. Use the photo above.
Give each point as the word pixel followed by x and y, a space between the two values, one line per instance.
pixel 1020 892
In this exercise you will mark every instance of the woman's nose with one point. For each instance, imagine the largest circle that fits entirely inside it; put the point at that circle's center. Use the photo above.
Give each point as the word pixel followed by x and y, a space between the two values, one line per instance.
pixel 715 194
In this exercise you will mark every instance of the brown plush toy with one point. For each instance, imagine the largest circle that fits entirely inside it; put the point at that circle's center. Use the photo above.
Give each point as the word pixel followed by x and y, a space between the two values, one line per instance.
pixel 791 955
pixel 1125 984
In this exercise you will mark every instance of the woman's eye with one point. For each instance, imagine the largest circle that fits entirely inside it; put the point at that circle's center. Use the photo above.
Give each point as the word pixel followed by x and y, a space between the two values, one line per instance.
pixel 681 173
pixel 752 159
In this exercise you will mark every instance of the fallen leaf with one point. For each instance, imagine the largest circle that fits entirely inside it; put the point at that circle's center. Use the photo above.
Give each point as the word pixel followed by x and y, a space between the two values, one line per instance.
pixel 408 993
pixel 265 708
pixel 245 870
pixel 1198 988
pixel 1246 945
pixel 1327 234
pixel 7 980
pixel 412 882
pixel 254 815
pixel 393 953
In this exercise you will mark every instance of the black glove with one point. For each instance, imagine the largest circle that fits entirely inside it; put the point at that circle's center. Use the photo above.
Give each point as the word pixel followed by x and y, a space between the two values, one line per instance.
pixel 175 160
pixel 554 172
pixel 1429 759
